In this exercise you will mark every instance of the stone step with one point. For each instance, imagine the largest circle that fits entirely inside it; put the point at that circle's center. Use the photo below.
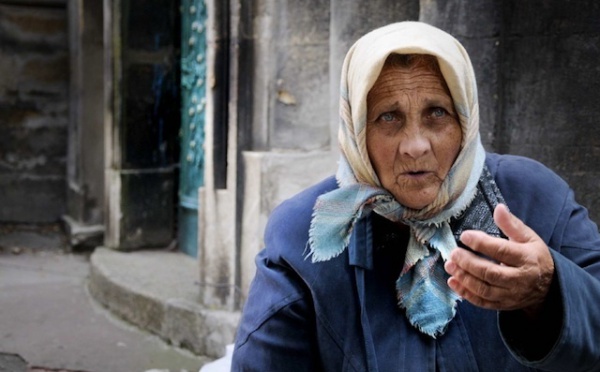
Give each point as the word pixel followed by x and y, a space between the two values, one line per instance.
pixel 158 291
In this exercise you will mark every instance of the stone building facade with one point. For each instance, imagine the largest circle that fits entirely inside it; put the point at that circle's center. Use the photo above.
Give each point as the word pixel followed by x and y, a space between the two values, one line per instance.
pixel 91 109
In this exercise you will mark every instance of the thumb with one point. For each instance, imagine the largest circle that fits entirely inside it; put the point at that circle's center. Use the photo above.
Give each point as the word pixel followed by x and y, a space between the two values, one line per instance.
pixel 510 225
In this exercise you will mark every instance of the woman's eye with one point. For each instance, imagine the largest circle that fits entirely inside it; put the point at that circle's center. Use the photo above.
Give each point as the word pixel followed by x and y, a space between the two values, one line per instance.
pixel 438 112
pixel 388 116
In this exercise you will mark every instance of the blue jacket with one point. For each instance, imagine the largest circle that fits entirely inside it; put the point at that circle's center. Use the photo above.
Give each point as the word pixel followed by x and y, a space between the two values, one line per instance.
pixel 341 315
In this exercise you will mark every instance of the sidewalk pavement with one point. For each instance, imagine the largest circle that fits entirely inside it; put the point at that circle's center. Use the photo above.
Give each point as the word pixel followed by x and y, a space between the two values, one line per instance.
pixel 48 317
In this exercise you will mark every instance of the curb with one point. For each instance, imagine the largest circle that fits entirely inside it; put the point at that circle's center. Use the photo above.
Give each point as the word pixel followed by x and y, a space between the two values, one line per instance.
pixel 157 291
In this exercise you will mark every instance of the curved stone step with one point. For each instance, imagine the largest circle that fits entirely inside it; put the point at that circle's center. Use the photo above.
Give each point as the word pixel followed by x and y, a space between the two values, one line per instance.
pixel 158 292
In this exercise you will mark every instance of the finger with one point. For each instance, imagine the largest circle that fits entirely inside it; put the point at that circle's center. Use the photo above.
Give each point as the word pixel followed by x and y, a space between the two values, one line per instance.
pixel 476 300
pixel 511 225
pixel 469 267
pixel 498 249
pixel 479 287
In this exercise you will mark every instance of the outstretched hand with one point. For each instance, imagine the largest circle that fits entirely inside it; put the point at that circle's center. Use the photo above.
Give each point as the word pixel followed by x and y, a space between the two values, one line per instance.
pixel 519 274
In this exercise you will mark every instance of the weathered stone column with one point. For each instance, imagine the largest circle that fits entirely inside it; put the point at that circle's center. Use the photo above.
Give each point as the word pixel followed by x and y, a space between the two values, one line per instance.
pixel 217 241
pixel 85 161
pixel 142 119
pixel 349 21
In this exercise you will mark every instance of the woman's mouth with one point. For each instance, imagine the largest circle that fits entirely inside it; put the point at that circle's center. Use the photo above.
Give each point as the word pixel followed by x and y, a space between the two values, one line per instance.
pixel 417 173
pixel 419 176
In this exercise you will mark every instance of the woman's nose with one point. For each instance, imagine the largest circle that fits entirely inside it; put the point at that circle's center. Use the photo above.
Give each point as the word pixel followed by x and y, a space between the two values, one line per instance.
pixel 414 143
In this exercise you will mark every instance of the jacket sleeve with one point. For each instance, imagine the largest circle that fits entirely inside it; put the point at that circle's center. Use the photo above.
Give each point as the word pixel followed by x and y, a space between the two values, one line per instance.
pixel 567 335
pixel 277 325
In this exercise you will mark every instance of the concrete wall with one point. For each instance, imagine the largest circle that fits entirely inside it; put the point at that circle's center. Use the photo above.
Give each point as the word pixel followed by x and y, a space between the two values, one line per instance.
pixel 297 94
pixel 34 67
pixel 551 76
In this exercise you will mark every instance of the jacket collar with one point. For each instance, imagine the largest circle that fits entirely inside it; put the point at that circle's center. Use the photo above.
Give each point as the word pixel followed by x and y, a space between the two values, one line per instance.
pixel 360 248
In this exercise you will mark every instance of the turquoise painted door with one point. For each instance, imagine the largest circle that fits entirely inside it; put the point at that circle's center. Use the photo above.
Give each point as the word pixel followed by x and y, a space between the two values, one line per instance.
pixel 193 100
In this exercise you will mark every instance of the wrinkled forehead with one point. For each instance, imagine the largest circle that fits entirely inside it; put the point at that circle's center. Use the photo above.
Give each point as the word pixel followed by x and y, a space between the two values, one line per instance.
pixel 421 67
pixel 426 61
pixel 417 77
pixel 367 56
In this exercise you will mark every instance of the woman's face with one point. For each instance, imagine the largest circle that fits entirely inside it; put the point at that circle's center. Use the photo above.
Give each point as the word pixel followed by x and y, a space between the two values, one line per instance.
pixel 413 132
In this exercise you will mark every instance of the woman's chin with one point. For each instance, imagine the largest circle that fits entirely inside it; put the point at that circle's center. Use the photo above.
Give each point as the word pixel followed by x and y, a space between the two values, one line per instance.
pixel 417 198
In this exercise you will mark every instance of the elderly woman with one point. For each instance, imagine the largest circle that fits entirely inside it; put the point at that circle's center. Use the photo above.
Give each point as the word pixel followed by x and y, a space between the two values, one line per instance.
pixel 409 260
